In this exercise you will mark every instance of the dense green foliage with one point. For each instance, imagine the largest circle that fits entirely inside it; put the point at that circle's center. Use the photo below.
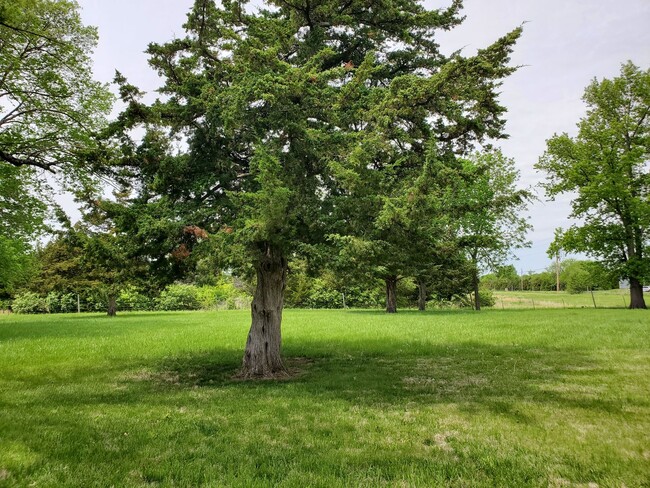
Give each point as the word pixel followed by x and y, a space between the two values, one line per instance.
pixel 607 165
pixel 23 212
pixel 50 111
pixel 491 226
pixel 513 398
pixel 49 102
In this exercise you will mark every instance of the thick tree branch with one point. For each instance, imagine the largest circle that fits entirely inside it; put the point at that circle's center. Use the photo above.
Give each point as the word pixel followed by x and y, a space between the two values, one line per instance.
pixel 15 161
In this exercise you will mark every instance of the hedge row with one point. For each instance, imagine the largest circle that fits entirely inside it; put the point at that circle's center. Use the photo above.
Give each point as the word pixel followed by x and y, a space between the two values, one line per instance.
pixel 173 297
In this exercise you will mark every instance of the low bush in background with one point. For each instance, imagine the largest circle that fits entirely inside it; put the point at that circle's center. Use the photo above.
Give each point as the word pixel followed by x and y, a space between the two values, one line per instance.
pixel 29 302
pixel 131 298
pixel 61 302
pixel 178 297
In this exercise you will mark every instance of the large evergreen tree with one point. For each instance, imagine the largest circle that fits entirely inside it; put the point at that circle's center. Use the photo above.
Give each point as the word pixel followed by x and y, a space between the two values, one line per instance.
pixel 277 107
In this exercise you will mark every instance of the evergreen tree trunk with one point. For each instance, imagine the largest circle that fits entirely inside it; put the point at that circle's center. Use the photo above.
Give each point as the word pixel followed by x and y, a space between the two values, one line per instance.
pixel 391 294
pixel 477 297
pixel 636 294
pixel 262 355
pixel 422 295
pixel 112 305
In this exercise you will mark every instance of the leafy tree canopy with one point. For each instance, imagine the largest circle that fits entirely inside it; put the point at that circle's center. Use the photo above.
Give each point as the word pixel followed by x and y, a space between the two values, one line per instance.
pixel 607 166
pixel 49 105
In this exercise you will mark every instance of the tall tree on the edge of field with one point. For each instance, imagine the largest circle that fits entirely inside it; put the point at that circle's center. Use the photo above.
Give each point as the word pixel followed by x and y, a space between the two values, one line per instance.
pixel 271 100
pixel 608 165
pixel 50 109
pixel 491 225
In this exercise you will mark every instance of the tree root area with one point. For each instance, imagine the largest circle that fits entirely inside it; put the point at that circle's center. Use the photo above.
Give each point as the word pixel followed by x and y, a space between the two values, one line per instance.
pixel 294 368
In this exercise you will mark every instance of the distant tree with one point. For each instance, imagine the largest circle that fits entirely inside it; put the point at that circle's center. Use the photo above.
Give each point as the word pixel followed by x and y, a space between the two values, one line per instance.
pixel 88 258
pixel 578 276
pixel 491 227
pixel 59 264
pixel 607 165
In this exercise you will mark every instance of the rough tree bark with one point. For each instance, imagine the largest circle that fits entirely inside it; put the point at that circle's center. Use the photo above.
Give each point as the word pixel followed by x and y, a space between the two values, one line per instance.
pixel 262 355
pixel 391 294
pixel 112 305
pixel 636 294
pixel 422 295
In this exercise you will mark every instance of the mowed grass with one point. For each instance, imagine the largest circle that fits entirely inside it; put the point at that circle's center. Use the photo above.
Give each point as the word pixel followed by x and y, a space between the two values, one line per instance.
pixel 552 299
pixel 445 398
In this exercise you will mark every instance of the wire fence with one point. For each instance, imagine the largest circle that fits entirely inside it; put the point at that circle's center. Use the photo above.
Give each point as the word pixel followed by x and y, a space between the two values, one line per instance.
pixel 556 300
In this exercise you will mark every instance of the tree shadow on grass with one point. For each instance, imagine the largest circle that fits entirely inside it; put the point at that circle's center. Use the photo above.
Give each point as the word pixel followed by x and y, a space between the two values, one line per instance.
pixel 473 376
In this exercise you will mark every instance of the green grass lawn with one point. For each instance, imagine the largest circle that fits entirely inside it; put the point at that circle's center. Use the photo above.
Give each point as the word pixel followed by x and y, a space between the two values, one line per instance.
pixel 552 299
pixel 445 398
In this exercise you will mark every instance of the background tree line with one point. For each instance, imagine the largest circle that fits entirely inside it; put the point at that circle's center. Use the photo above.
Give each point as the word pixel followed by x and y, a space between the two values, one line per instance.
pixel 575 276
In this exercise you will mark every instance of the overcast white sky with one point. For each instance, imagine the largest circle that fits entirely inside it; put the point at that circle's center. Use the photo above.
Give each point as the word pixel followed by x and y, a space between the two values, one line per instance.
pixel 565 44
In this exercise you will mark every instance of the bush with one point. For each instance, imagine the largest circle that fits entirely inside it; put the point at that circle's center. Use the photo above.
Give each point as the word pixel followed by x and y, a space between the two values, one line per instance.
pixel 456 301
pixel 577 280
pixel 178 297
pixel 95 301
pixel 322 296
pixel 29 302
pixel 131 299
pixel 61 302
pixel 5 304
pixel 486 298
pixel 224 295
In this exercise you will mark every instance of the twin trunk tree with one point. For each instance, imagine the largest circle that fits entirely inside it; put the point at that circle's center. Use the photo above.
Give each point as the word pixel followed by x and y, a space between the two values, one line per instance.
pixel 391 294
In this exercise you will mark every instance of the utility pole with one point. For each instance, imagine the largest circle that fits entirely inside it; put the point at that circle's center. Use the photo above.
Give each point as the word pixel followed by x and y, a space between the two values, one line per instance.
pixel 557 271
pixel 521 281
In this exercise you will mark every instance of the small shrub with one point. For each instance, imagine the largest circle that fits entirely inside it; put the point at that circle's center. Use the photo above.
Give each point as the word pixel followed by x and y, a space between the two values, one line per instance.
pixel 29 302
pixel 486 298
pixel 322 296
pixel 5 304
pixel 95 301
pixel 131 299
pixel 61 302
pixel 223 296
pixel 178 297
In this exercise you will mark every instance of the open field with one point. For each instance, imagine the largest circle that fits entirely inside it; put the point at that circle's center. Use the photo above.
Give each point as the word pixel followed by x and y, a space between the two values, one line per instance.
pixel 552 299
pixel 446 398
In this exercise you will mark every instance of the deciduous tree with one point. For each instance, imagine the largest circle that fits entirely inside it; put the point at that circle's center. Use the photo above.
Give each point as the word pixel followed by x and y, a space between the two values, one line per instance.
pixel 491 225
pixel 607 166
pixel 50 107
